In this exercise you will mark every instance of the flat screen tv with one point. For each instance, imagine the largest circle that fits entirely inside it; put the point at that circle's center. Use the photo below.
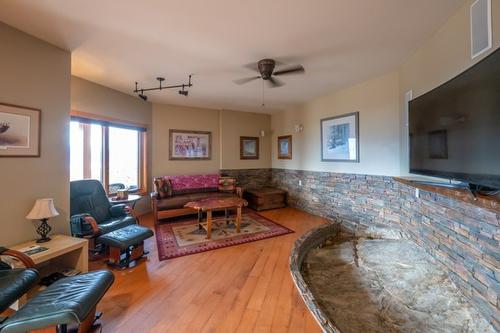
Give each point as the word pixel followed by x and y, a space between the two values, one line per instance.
pixel 455 128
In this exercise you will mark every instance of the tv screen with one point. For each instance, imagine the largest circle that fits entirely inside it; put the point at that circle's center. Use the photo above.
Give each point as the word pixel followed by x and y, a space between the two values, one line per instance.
pixel 455 128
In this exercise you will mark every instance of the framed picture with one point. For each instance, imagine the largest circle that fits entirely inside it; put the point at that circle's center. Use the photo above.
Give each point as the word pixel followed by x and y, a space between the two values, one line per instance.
pixel 249 148
pixel 19 131
pixel 285 147
pixel 190 145
pixel 340 138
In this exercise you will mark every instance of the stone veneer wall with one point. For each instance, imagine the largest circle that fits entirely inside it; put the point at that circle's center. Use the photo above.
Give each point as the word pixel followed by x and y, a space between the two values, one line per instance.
pixel 463 237
pixel 250 177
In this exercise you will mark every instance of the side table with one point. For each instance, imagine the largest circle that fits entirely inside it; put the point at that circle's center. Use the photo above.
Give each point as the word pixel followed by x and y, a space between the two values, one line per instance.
pixel 63 252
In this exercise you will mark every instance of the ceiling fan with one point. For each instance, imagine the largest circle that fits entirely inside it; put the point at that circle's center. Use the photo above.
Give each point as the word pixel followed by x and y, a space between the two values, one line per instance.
pixel 267 73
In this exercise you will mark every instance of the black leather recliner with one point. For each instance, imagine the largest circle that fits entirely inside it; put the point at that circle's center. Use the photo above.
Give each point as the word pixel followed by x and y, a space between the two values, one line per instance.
pixel 88 199
pixel 69 301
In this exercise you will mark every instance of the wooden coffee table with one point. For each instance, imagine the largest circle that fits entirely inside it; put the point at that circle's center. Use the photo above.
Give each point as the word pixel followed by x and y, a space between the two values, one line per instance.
pixel 213 204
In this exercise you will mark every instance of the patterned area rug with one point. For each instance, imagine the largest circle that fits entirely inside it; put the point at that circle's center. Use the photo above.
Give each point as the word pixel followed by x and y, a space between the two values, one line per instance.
pixel 177 239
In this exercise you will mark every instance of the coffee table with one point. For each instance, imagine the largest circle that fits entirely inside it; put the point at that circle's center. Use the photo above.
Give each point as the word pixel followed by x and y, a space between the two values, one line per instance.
pixel 213 204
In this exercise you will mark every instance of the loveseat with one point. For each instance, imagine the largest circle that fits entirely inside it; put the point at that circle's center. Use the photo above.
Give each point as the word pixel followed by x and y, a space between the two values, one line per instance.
pixel 173 192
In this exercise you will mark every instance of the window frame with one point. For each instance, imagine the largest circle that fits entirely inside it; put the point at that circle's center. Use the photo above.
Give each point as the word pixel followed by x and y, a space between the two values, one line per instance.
pixel 107 122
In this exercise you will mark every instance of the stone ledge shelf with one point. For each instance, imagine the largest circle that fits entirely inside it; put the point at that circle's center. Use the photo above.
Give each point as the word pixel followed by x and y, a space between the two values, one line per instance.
pixel 491 203
pixel 377 282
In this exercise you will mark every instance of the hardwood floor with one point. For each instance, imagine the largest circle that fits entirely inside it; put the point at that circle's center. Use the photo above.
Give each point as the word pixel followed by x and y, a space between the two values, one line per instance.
pixel 244 288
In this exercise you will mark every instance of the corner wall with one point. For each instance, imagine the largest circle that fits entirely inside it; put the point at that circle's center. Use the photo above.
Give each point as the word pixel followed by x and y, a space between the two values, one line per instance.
pixel 377 102
pixel 226 127
pixel 90 97
pixel 35 74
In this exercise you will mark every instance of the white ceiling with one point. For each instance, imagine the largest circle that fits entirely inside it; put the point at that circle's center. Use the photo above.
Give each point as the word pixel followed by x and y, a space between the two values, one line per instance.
pixel 339 42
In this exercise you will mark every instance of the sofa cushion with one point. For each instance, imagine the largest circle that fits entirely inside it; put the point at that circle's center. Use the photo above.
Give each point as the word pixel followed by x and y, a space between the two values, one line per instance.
pixel 227 184
pixel 116 223
pixel 178 201
pixel 163 187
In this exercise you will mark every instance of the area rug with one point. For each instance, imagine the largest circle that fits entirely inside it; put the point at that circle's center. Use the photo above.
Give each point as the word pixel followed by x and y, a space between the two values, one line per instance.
pixel 181 238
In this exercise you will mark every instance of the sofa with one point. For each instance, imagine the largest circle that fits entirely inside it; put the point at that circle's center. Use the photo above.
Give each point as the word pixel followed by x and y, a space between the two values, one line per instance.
pixel 173 192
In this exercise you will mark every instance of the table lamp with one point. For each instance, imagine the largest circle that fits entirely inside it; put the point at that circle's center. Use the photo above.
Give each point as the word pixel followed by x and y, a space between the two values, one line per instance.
pixel 43 210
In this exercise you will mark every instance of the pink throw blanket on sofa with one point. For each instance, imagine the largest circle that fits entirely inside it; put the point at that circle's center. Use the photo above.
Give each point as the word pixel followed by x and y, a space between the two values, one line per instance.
pixel 180 183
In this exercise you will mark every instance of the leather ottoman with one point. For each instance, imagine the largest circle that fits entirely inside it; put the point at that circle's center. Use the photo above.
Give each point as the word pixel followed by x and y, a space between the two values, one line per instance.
pixel 126 244
pixel 265 198
pixel 69 301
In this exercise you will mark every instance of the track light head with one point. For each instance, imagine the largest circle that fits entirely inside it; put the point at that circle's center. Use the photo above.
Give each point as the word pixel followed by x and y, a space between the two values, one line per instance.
pixel 143 97
pixel 183 92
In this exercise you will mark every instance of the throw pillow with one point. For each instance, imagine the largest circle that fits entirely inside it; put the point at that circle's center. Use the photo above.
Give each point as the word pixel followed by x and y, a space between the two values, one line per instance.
pixel 163 188
pixel 227 184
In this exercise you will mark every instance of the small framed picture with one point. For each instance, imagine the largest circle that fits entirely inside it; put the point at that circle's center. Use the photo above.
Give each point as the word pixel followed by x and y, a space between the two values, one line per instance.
pixel 190 145
pixel 340 138
pixel 249 148
pixel 19 131
pixel 285 147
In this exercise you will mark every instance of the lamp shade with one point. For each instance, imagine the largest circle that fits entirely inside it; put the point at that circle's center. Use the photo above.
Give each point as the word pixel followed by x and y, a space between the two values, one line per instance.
pixel 43 209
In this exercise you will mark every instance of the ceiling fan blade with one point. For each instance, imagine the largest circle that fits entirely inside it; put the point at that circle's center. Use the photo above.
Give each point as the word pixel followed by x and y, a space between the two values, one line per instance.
pixel 246 80
pixel 252 66
pixel 275 82
pixel 290 70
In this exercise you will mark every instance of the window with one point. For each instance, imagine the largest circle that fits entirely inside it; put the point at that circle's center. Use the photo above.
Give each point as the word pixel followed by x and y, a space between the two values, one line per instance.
pixel 109 152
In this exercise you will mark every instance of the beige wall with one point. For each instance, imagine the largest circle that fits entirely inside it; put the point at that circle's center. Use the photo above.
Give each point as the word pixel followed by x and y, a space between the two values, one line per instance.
pixel 234 124
pixel 226 127
pixel 441 58
pixel 166 117
pixel 35 74
pixel 90 97
pixel 377 102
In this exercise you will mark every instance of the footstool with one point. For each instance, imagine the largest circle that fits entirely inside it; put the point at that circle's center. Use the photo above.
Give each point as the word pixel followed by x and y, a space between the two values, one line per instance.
pixel 126 245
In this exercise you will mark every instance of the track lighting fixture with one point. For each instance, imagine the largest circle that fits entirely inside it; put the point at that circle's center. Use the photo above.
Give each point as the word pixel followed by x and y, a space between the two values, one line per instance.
pixel 140 91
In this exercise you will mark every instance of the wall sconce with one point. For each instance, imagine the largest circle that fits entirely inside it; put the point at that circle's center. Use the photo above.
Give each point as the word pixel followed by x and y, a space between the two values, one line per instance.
pixel 298 128
pixel 262 133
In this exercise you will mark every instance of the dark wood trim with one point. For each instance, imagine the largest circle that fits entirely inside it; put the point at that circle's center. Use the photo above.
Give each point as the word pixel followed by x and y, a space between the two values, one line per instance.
pixel 289 155
pixel 242 139
pixel 170 145
pixel 356 115
pixel 38 153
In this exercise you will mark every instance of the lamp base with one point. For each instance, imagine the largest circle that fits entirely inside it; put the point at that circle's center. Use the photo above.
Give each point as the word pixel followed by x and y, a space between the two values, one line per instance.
pixel 43 240
pixel 43 230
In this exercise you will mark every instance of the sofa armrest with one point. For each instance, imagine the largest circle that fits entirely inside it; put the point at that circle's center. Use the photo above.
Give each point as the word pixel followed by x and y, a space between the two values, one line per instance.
pixel 119 210
pixel 83 225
